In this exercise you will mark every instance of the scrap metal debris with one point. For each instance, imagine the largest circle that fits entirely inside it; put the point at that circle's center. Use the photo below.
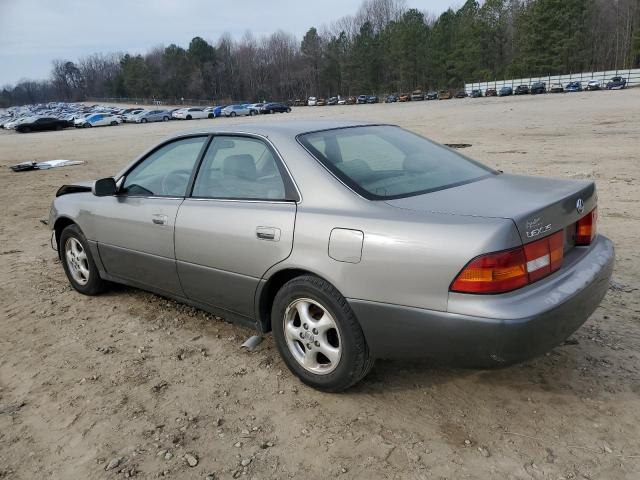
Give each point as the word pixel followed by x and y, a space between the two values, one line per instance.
pixel 26 166
pixel 457 145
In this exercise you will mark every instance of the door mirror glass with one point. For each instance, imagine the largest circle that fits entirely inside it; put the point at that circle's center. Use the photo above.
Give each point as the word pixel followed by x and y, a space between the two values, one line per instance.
pixel 104 187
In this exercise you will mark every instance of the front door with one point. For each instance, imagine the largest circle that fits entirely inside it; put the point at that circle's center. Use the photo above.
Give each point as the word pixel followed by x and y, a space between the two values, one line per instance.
pixel 134 228
pixel 237 223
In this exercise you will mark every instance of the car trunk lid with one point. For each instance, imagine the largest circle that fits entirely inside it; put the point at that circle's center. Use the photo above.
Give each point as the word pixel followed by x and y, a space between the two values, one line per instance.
pixel 538 206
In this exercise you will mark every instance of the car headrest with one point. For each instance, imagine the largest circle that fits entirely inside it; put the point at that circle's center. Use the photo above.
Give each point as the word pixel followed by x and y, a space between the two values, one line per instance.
pixel 419 163
pixel 241 166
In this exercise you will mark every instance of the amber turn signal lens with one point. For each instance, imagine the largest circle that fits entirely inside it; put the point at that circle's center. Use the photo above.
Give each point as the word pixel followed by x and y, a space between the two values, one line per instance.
pixel 586 228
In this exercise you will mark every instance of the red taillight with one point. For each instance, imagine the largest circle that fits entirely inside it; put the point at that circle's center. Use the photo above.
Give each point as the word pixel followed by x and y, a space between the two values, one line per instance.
pixel 505 271
pixel 586 228
pixel 493 273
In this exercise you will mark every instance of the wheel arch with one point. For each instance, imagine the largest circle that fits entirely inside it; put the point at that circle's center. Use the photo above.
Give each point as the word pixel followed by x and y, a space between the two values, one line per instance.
pixel 268 290
pixel 60 224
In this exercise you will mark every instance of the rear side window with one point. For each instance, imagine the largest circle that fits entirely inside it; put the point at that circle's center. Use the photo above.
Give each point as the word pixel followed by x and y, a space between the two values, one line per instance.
pixel 385 162
pixel 239 168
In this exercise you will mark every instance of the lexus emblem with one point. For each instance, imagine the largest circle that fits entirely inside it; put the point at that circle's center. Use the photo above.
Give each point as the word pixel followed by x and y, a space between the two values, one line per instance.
pixel 580 205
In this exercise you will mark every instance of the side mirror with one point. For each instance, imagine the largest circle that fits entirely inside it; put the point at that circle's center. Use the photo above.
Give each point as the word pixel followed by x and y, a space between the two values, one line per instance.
pixel 104 187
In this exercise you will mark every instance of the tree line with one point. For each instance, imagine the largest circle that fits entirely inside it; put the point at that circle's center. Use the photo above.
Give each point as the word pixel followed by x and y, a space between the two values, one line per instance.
pixel 384 47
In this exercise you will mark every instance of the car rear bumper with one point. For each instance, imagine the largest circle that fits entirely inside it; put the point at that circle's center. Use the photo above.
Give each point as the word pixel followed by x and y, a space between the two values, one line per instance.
pixel 505 329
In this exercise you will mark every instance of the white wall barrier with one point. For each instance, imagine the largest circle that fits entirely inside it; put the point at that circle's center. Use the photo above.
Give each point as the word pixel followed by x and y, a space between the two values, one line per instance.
pixel 632 77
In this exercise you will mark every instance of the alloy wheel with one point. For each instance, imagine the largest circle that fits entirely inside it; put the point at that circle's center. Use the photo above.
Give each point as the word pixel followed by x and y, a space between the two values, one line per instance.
pixel 312 336
pixel 77 260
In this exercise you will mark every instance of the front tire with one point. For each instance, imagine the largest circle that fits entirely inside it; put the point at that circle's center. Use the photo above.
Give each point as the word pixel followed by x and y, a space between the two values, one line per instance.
pixel 189 117
pixel 318 335
pixel 78 263
pixel 233 114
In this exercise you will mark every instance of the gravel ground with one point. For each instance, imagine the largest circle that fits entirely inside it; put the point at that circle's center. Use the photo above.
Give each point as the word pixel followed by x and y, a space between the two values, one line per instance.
pixel 131 384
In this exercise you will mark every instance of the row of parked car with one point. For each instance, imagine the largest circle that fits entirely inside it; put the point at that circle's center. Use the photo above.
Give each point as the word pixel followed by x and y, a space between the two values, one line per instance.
pixel 536 88
pixel 59 115
pixel 616 83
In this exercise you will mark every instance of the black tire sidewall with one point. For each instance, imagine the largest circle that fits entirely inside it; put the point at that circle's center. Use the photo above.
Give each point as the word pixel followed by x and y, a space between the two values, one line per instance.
pixel 354 350
pixel 95 284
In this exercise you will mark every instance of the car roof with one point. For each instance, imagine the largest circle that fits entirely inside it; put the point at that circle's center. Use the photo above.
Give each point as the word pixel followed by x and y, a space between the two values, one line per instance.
pixel 285 128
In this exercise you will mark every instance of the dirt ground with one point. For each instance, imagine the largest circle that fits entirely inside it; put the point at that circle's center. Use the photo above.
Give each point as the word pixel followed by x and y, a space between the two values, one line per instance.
pixel 134 380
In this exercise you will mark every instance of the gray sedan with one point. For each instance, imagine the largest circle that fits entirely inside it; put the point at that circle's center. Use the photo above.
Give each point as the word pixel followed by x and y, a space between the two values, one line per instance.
pixel 348 241
pixel 153 116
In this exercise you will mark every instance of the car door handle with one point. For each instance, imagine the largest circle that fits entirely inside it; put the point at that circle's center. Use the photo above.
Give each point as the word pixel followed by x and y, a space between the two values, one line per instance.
pixel 159 219
pixel 268 233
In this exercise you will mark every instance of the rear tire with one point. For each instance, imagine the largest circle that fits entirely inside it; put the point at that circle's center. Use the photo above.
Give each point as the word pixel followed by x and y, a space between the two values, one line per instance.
pixel 165 119
pixel 144 120
pixel 326 324
pixel 114 123
pixel 233 114
pixel 78 262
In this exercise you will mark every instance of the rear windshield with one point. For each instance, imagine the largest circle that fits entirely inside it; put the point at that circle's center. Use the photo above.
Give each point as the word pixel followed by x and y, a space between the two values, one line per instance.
pixel 384 162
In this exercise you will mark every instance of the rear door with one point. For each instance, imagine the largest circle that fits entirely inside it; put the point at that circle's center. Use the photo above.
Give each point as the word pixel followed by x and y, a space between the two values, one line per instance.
pixel 238 222
pixel 134 229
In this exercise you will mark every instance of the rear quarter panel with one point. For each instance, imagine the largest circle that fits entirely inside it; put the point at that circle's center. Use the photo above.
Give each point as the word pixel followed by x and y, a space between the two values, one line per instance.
pixel 407 259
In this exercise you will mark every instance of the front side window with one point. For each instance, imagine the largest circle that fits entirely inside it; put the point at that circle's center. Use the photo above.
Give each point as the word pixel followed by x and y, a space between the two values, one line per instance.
pixel 384 162
pixel 239 168
pixel 165 172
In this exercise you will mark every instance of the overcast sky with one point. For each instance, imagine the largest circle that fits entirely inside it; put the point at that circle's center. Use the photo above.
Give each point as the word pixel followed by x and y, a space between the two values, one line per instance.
pixel 34 32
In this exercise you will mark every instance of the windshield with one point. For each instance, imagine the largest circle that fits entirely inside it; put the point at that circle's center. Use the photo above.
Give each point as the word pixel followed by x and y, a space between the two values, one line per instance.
pixel 384 162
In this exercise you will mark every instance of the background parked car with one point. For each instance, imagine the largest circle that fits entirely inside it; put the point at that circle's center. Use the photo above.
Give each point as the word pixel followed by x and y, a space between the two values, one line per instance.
pixel 391 99
pixel 490 92
pixel 593 85
pixel 372 99
pixel 190 113
pixel 321 102
pixel 573 87
pixel 210 111
pixel 153 116
pixel 312 101
pixel 41 124
pixel 476 93
pixel 522 90
pixel 556 88
pixel 332 101
pixel 351 100
pixel 616 83
pixel 238 110
pixel 461 94
pixel 101 120
pixel 405 97
pixel 505 92
pixel 80 119
pixel 131 116
pixel 444 95
pixel 417 95
pixel 432 95
pixel 342 101
pixel 362 99
pixel 538 88
pixel 275 107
